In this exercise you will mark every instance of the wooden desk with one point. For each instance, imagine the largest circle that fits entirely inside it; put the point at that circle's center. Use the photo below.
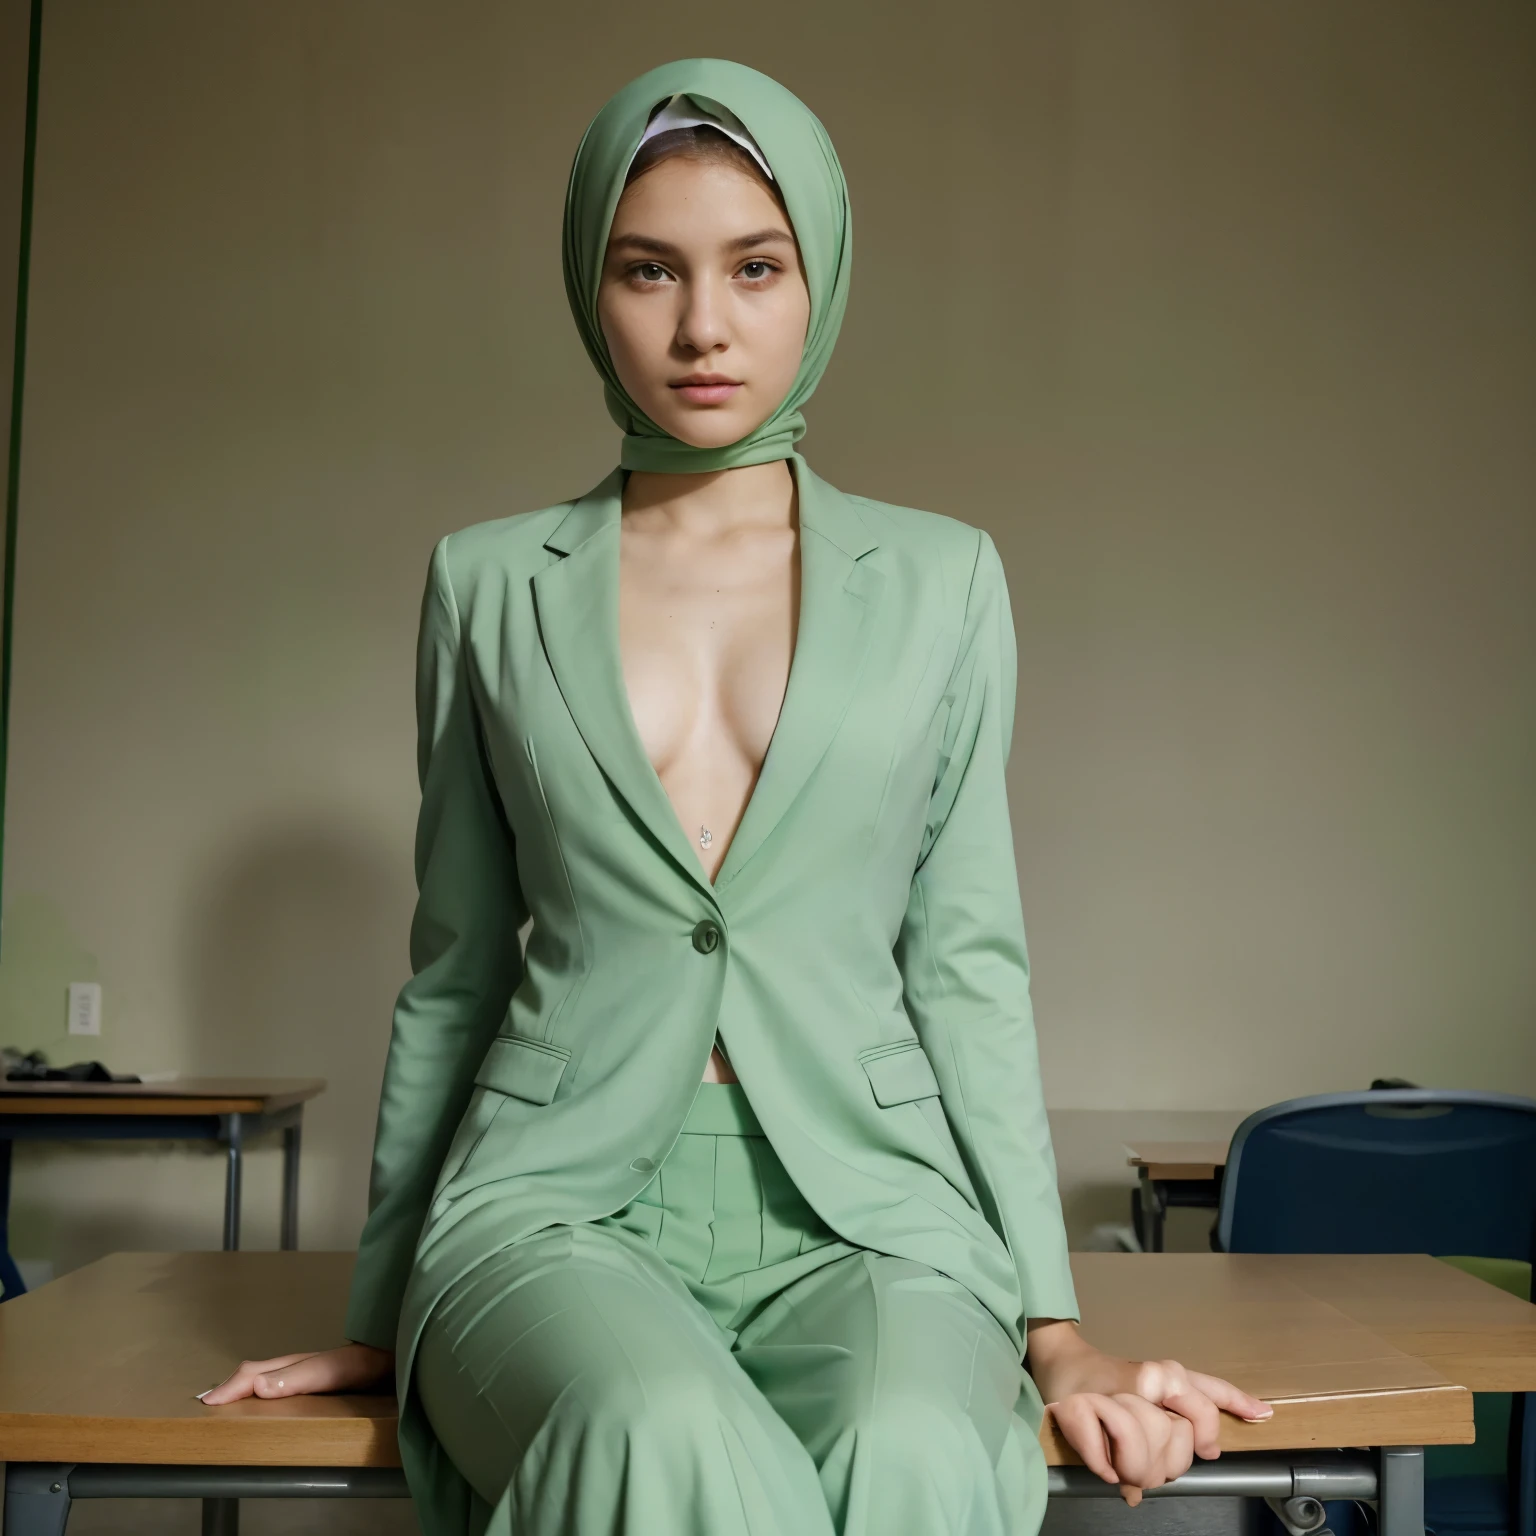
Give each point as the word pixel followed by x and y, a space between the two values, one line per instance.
pixel 1178 1159
pixel 226 1109
pixel 98 1372
pixel 1174 1173
pixel 1470 1332
pixel 1257 1320
pixel 172 1324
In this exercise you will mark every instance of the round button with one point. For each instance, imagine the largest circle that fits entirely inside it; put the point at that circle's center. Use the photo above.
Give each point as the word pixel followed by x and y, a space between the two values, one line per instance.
pixel 705 937
pixel 642 1165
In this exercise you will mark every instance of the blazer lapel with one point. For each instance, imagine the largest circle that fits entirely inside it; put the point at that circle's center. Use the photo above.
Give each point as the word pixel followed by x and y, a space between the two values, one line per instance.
pixel 578 605
pixel 838 598
pixel 577 598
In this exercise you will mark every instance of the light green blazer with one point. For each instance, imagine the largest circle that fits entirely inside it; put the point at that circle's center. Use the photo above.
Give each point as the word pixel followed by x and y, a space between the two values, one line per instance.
pixel 861 952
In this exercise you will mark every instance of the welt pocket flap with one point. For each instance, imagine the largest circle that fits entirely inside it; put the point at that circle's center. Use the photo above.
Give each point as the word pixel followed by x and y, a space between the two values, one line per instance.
pixel 898 1073
pixel 526 1069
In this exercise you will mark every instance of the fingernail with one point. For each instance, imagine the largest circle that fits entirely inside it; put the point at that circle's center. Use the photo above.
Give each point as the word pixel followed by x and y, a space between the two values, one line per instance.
pixel 204 1393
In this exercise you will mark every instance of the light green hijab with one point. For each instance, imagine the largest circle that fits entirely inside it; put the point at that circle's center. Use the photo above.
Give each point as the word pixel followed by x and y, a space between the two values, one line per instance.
pixel 804 165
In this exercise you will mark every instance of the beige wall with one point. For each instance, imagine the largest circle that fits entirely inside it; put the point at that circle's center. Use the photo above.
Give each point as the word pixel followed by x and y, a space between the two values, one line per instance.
pixel 14 35
pixel 1222 317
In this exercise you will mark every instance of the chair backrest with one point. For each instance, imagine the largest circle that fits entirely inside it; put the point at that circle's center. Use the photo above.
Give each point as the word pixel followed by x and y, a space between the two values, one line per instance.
pixel 1420 1170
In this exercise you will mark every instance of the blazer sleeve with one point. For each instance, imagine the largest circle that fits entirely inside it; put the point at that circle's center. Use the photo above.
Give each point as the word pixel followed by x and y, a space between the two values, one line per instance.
pixel 465 962
pixel 963 959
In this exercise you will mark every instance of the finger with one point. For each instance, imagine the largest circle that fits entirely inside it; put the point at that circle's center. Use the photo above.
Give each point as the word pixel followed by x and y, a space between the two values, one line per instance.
pixel 1166 1383
pixel 1081 1429
pixel 1244 1404
pixel 1131 1449
pixel 322 1372
pixel 1142 1462
pixel 1203 1418
pixel 1179 1453
pixel 1157 1379
pixel 242 1383
pixel 1130 1452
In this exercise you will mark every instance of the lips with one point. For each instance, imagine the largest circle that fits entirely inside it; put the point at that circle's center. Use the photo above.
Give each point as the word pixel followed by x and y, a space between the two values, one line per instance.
pixel 712 393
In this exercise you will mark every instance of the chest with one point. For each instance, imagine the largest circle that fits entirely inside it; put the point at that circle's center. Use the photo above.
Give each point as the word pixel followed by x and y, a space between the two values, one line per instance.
pixel 841 790
pixel 706 638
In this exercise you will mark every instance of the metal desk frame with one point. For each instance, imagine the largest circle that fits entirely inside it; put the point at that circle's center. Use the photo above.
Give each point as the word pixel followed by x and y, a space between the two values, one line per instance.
pixel 38 1495
pixel 1152 1199
pixel 230 1129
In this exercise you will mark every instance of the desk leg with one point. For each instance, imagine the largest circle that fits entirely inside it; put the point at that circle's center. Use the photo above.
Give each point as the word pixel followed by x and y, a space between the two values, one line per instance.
pixel 11 1283
pixel 36 1498
pixel 1154 1210
pixel 1400 1490
pixel 221 1517
pixel 291 1137
pixel 232 1138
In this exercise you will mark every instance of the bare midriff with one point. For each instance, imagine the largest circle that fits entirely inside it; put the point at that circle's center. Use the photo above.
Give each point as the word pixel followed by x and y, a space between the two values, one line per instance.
pixel 707 617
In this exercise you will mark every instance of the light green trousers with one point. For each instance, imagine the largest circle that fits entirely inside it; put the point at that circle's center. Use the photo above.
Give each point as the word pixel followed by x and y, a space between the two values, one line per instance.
pixel 713 1360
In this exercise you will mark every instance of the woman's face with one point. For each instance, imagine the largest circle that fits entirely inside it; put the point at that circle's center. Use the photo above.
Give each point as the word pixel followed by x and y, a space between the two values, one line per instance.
pixel 702 276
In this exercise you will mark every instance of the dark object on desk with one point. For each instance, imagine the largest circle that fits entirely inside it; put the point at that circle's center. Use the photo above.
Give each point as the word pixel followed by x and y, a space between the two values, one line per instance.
pixel 79 1072
pixel 1408 1170
pixel 34 1068
pixel 19 1066
pixel 1378 1083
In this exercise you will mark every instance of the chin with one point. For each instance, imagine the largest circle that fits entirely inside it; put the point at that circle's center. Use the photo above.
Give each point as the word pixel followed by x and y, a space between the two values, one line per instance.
pixel 716 433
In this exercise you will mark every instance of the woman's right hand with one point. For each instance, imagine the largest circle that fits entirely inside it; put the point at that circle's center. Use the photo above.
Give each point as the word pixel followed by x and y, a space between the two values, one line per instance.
pixel 352 1368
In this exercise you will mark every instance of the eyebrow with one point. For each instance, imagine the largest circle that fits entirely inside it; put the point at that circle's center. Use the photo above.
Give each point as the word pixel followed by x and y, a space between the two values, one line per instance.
pixel 741 243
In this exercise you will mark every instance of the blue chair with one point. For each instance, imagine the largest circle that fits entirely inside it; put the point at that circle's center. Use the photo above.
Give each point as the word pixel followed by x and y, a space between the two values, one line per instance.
pixel 1421 1170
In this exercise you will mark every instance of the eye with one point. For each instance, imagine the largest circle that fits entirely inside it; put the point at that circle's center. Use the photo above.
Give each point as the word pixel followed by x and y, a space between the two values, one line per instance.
pixel 643 270
pixel 769 272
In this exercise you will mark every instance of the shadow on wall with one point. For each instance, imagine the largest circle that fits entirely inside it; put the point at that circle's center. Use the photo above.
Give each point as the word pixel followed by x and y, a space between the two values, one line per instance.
pixel 296 947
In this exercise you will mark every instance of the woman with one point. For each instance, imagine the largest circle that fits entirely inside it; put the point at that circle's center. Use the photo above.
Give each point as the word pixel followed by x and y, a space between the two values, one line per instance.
pixel 735 740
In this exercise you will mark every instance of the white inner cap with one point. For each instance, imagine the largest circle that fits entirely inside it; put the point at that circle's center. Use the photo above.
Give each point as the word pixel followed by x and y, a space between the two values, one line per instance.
pixel 682 111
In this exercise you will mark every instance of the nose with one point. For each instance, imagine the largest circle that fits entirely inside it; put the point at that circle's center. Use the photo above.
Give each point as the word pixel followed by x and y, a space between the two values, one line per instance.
pixel 701 326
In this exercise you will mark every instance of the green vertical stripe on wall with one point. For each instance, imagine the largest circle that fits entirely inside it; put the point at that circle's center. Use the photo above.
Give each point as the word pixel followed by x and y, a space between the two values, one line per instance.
pixel 18 377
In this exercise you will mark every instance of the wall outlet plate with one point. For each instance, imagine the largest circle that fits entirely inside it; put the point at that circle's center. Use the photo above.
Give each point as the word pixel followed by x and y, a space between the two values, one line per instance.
pixel 85 1007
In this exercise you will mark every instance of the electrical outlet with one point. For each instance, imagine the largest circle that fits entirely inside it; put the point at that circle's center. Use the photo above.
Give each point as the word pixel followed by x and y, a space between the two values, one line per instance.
pixel 85 1007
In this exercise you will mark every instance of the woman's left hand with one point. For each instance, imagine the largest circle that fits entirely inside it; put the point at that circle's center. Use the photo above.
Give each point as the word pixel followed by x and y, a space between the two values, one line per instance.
pixel 1138 1423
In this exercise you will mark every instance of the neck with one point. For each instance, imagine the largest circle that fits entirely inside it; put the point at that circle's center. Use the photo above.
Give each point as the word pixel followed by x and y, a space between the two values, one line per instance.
pixel 754 495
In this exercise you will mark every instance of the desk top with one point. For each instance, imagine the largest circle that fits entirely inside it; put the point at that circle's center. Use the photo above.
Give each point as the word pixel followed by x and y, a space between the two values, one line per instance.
pixel 175 1096
pixel 1178 1159
pixel 1253 1320
pixel 104 1363
pixel 1470 1332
